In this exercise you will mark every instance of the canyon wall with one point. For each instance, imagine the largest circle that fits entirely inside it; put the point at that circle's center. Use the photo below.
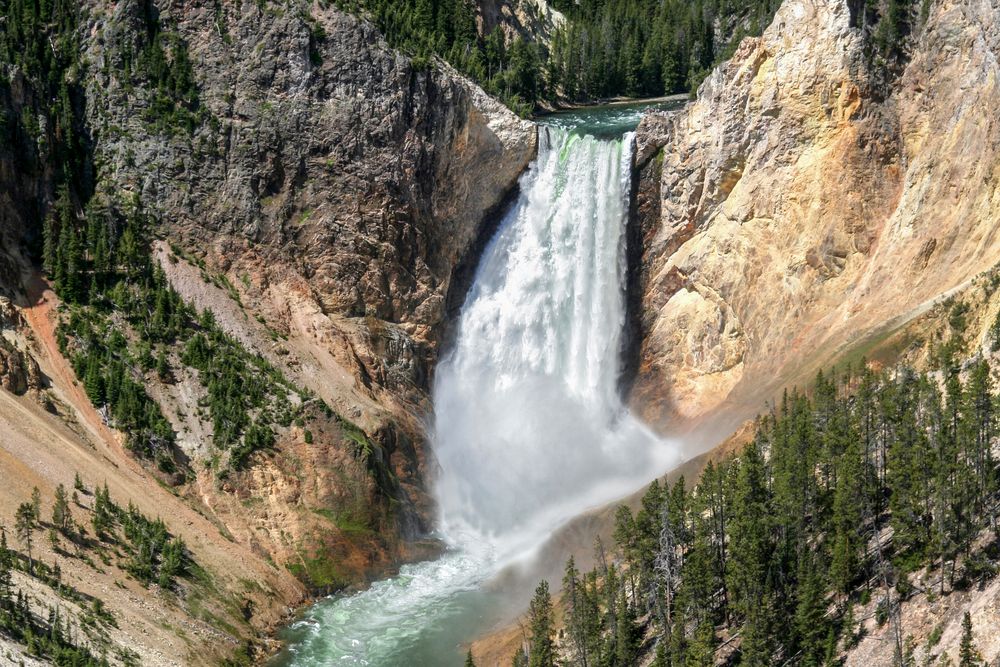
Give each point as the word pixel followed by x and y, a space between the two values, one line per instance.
pixel 337 187
pixel 798 207
pixel 329 168
pixel 326 201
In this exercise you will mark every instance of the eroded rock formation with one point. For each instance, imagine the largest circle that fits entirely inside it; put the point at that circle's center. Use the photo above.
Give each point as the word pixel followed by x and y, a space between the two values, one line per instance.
pixel 796 207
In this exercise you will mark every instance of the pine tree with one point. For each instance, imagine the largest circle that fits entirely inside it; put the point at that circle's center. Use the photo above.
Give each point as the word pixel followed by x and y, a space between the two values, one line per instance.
pixel 750 544
pixel 846 518
pixel 648 530
pixel 24 526
pixel 810 623
pixel 72 255
pixel 173 562
pixel 608 597
pixel 6 562
pixel 522 72
pixel 893 28
pixel 909 469
pixel 848 625
pixel 660 658
pixel 759 637
pixel 93 381
pixel 61 516
pixel 129 253
pixel 712 490
pixel 701 649
pixel 752 549
pixel 103 517
pixel 667 574
pixel 678 639
pixel 575 615
pixel 36 504
pixel 627 644
pixel 469 662
pixel 162 366
pixel 161 314
pixel 699 582
pixel 592 618
pixel 979 431
pixel 464 24
pixel 968 655
pixel 677 509
pixel 626 538
pixel 424 18
pixel 942 423
pixel 50 242
pixel 540 624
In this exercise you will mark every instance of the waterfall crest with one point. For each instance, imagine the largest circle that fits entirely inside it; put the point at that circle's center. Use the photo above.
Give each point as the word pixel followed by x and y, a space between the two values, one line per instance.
pixel 529 429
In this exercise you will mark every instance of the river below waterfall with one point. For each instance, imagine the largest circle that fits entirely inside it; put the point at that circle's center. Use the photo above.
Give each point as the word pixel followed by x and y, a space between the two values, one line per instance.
pixel 528 427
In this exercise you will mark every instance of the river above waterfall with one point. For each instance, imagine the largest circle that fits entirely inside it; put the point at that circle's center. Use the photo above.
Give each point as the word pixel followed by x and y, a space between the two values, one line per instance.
pixel 529 429
pixel 609 121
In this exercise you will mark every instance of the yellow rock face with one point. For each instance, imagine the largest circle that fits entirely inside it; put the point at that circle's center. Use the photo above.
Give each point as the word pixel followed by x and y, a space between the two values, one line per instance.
pixel 802 204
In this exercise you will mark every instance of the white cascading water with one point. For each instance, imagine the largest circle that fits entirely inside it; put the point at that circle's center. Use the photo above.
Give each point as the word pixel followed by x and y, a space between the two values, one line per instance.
pixel 529 429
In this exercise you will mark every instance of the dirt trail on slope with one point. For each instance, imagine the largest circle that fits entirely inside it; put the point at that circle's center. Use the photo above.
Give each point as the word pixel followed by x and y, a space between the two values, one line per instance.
pixel 39 313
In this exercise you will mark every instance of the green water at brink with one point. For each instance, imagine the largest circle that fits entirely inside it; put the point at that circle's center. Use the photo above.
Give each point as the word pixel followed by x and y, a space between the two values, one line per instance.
pixel 426 614
pixel 607 122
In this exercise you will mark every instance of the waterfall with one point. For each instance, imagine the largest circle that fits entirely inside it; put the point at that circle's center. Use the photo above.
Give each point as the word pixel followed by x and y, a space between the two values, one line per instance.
pixel 529 429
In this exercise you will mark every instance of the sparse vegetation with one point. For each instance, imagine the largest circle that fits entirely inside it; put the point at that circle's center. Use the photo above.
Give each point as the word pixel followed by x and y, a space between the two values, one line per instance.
pixel 119 305
pixel 321 572
pixel 162 64
pixel 153 556
pixel 148 552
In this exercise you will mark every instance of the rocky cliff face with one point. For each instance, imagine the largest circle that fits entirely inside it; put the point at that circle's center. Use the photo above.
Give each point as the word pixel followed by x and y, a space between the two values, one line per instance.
pixel 336 187
pixel 329 167
pixel 19 372
pixel 794 210
pixel 533 20
pixel 326 202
